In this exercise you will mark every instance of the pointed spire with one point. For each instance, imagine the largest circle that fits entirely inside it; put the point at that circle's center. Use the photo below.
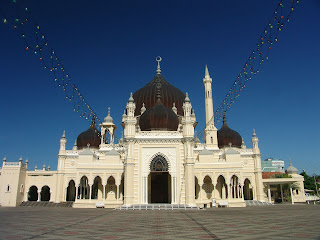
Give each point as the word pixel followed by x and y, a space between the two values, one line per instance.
pixel 158 59
pixel 131 98
pixel 20 159
pixel 187 99
pixel 4 159
pixel 254 133
pixel 124 113
pixel 206 74
pixel 174 108
pixel 64 134
pixel 143 109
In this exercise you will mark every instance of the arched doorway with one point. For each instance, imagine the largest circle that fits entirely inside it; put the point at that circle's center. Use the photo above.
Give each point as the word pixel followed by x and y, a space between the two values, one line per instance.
pixel 159 181
pixel 207 187
pixel 71 191
pixel 83 189
pixel 247 190
pixel 97 189
pixel 222 187
pixel 235 188
pixel 45 194
pixel 111 189
pixel 33 193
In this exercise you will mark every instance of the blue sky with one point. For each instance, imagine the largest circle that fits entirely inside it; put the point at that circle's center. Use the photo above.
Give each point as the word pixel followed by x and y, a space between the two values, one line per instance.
pixel 109 49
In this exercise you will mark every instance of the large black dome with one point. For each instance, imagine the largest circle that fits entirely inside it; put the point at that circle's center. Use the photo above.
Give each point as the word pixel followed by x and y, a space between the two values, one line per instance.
pixel 169 95
pixel 226 136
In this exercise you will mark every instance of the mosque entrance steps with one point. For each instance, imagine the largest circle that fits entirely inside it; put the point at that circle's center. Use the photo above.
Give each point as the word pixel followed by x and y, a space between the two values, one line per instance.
pixel 158 206
pixel 250 203
pixel 45 204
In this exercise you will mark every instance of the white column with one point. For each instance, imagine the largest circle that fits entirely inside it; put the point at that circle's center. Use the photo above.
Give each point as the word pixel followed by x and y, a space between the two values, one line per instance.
pixel 118 192
pixel 269 193
pixel 229 192
pixel 173 190
pixel 146 190
pixel 104 192
pixel 292 200
pixel 77 189
pixel 242 193
pixel 90 191
pixel 281 192
pixel 200 192
pixel 39 196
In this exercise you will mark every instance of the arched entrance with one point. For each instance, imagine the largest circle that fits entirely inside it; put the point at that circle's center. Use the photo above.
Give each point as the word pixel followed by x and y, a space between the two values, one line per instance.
pixel 159 181
pixel 33 193
pixel 71 191
pixel 97 189
pixel 247 190
pixel 45 193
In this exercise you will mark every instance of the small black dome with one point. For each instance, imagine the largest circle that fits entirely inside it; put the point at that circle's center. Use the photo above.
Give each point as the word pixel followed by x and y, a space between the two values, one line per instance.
pixel 227 135
pixel 159 118
pixel 91 136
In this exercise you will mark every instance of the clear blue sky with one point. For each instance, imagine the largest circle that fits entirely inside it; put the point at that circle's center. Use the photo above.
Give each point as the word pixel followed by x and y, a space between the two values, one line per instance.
pixel 109 49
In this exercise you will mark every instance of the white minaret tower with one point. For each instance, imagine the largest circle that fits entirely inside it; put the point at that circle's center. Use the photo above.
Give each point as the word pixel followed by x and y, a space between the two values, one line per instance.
pixel 210 130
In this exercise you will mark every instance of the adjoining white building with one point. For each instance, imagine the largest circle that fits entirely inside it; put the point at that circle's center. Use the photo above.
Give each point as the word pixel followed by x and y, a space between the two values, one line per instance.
pixel 159 160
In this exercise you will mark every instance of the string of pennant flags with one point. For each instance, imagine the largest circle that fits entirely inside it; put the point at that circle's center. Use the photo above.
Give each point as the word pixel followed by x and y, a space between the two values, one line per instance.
pixel 37 43
pixel 20 19
pixel 260 54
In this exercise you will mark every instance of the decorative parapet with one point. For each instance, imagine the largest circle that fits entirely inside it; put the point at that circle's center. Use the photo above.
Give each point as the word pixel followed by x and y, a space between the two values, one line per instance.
pixel 15 164
pixel 158 135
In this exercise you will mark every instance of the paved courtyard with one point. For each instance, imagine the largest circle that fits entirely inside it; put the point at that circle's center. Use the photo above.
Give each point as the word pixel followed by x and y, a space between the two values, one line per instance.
pixel 268 222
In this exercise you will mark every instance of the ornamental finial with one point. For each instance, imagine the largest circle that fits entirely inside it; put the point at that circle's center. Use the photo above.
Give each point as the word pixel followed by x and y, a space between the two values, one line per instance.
pixel 158 59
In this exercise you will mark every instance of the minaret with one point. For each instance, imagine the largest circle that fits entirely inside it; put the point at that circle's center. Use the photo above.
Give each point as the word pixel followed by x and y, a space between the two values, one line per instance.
pixel 210 130
pixel 207 80
pixel 63 142
pixel 257 167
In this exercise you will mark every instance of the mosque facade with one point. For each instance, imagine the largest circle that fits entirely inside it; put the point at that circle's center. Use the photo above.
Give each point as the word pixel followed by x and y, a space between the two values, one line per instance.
pixel 158 160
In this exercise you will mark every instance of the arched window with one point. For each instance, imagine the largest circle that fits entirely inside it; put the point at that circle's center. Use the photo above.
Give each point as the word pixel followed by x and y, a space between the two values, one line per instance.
pixel 159 164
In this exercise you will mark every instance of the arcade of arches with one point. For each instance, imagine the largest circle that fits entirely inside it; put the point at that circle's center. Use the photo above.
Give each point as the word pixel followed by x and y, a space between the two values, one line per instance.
pixel 97 190
pixel 206 190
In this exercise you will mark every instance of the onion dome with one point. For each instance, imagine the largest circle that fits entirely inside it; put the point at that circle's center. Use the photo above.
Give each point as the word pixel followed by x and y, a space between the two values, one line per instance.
pixel 169 95
pixel 227 136
pixel 108 119
pixel 158 118
pixel 91 137
pixel 291 169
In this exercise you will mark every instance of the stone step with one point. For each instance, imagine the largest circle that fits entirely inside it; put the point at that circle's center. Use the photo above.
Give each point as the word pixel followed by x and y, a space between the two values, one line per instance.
pixel 45 204
pixel 250 203
pixel 155 206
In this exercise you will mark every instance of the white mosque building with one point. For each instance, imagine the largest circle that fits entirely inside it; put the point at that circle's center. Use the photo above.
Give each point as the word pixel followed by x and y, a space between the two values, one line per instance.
pixel 158 160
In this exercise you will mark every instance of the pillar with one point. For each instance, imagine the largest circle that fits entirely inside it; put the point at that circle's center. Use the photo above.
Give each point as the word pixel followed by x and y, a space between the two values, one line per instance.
pixel 39 196
pixel 291 193
pixel 118 192
pixel 269 193
pixel 90 191
pixel 190 193
pixel 104 192
pixel 173 190
pixel 128 175
pixel 200 192
pixel 66 193
pixel 77 190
